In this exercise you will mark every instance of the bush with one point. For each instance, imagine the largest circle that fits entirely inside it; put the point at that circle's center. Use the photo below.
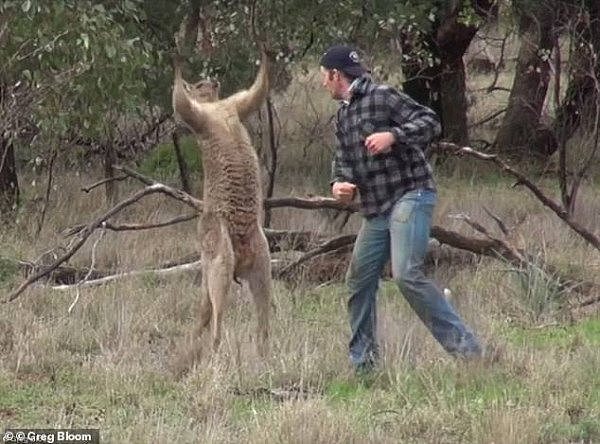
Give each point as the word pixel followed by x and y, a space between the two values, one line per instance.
pixel 161 162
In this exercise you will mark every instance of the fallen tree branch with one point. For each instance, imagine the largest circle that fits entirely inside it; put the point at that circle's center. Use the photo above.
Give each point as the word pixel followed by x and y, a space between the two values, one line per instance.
pixel 132 227
pixel 114 277
pixel 311 203
pixel 489 246
pixel 557 208
pixel 87 232
pixel 329 246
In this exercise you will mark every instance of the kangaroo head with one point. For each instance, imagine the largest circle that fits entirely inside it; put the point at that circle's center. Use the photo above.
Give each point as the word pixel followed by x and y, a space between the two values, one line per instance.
pixel 205 90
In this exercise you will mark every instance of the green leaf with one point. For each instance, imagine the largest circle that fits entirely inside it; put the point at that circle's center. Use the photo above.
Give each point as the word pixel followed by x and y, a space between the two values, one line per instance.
pixel 26 5
pixel 111 51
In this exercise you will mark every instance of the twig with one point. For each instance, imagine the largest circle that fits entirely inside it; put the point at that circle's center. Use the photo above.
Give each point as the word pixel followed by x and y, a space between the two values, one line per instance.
pixel 588 302
pixel 498 221
pixel 102 182
pixel 488 118
pixel 492 89
pixel 48 191
pixel 173 192
pixel 331 245
pixel 90 271
pixel 132 173
pixel 39 49
pixel 499 64
pixel 132 227
pixel 514 252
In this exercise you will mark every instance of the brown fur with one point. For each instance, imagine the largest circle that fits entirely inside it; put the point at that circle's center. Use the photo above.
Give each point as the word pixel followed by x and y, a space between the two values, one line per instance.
pixel 233 245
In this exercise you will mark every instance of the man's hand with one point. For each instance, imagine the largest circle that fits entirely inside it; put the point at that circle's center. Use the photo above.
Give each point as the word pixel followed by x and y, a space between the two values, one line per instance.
pixel 343 191
pixel 380 142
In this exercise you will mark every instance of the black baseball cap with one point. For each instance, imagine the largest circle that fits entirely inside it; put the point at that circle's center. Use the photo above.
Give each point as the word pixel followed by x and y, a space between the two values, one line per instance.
pixel 345 59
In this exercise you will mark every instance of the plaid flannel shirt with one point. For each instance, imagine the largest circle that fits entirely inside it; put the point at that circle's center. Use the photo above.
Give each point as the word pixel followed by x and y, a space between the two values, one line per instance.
pixel 383 178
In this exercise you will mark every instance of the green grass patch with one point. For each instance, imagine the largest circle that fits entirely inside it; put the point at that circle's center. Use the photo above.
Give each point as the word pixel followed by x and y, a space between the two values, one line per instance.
pixel 586 332
pixel 346 390
pixel 8 271
pixel 577 430
pixel 86 397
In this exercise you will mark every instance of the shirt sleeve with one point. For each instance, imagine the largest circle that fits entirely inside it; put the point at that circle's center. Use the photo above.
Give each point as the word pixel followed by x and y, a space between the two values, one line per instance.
pixel 413 123
pixel 341 166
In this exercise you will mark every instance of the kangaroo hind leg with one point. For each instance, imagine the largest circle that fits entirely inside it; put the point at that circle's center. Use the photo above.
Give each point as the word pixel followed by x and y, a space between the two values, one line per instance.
pixel 258 276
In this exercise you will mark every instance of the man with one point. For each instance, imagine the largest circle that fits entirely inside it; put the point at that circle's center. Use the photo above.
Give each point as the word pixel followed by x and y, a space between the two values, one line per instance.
pixel 382 135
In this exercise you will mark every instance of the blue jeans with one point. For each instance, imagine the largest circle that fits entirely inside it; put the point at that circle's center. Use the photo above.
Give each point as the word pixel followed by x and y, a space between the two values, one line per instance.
pixel 403 235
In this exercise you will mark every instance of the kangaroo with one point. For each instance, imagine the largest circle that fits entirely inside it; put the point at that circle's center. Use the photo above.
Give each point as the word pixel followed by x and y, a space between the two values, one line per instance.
pixel 232 242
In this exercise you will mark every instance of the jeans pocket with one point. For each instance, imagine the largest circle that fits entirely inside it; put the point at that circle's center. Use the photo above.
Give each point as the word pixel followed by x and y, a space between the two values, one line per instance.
pixel 403 210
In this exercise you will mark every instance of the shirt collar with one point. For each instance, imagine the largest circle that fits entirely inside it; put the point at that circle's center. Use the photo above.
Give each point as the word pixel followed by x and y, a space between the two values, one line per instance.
pixel 357 87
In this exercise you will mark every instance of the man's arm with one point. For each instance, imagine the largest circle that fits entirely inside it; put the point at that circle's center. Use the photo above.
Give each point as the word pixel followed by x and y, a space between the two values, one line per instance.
pixel 341 166
pixel 414 124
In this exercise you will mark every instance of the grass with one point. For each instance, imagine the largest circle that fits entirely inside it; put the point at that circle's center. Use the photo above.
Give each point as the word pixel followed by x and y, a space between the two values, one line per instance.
pixel 104 365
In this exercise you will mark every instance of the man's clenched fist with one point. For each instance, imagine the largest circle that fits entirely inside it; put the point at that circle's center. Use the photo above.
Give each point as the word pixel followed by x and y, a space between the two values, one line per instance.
pixel 343 191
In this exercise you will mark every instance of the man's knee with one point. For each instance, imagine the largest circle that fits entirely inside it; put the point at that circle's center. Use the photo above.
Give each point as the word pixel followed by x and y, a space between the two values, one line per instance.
pixel 407 278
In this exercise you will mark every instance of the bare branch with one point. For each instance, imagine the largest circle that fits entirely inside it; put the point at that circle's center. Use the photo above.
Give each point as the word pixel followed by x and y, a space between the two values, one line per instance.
pixel 132 227
pixel 88 274
pixel 586 234
pixel 309 203
pixel 48 191
pixel 488 118
pixel 498 221
pixel 102 182
pixel 173 192
pixel 331 245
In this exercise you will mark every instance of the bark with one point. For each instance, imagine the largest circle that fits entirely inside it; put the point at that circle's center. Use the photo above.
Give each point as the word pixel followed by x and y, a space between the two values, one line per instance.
pixel 183 168
pixel 453 39
pixel 9 182
pixel 442 87
pixel 274 147
pixel 521 134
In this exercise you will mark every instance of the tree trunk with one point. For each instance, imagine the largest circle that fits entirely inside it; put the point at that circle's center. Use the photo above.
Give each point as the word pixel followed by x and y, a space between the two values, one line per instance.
pixel 111 188
pixel 521 127
pixel 581 97
pixel 9 183
pixel 272 169
pixel 443 86
pixel 452 39
pixel 423 84
pixel 183 168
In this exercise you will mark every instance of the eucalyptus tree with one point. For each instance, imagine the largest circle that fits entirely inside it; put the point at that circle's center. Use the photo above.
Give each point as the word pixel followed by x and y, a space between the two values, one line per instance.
pixel 70 71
